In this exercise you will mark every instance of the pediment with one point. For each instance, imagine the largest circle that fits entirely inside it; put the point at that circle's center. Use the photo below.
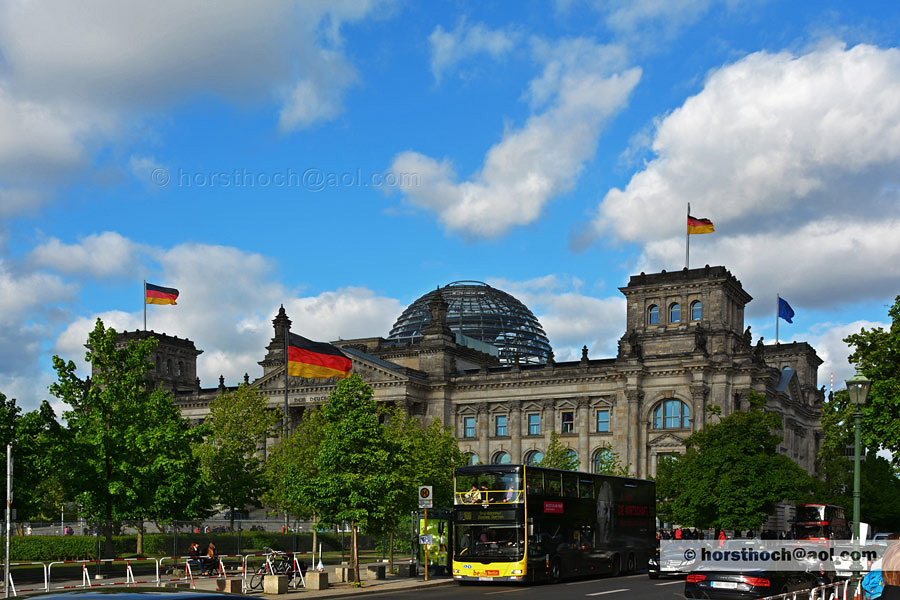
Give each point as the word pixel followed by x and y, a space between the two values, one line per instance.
pixel 666 440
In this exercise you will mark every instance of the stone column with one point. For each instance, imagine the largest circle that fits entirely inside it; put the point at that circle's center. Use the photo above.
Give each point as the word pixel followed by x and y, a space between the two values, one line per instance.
pixel 699 393
pixel 583 429
pixel 634 399
pixel 483 431
pixel 515 430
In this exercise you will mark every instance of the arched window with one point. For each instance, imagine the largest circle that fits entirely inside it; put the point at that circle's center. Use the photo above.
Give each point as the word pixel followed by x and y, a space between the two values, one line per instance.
pixel 696 310
pixel 602 461
pixel 180 368
pixel 653 315
pixel 675 313
pixel 471 458
pixel 157 364
pixel 672 414
pixel 572 455
pixel 534 457
pixel 168 366
pixel 501 458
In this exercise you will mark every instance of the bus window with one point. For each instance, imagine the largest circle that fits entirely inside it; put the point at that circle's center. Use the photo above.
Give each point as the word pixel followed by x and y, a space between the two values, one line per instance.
pixel 585 488
pixel 552 484
pixel 570 485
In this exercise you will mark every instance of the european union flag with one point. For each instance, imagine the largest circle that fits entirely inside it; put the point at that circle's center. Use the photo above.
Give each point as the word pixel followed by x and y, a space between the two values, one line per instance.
pixel 784 310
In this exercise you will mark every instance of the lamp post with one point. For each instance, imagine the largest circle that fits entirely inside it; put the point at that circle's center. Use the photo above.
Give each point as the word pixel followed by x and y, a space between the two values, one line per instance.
pixel 858 388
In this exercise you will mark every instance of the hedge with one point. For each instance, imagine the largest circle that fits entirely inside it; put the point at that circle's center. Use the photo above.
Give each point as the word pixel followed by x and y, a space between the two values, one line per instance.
pixel 76 547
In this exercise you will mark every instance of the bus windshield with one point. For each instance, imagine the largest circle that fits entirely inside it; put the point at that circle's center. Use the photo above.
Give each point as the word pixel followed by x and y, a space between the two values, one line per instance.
pixel 489 487
pixel 810 512
pixel 495 541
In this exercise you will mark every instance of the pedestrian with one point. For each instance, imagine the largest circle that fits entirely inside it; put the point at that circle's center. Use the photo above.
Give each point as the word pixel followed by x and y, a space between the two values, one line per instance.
pixel 722 537
pixel 211 559
pixel 194 557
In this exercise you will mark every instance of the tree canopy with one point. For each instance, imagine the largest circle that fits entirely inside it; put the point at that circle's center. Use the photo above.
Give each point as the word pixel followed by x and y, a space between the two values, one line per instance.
pixel 731 475
pixel 128 452
pixel 876 352
pixel 559 456
pixel 237 424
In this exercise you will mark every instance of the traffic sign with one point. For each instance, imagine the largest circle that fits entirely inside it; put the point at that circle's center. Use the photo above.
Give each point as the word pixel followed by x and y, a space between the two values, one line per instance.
pixel 425 496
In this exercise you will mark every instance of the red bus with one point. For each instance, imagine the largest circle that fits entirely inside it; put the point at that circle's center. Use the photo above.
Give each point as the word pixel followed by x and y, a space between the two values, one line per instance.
pixel 820 522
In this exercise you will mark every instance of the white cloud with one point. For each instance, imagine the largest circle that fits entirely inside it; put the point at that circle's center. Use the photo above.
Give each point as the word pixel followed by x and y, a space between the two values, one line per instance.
pixel 449 48
pixel 105 254
pixel 828 340
pixel 75 74
pixel 571 319
pixel 533 164
pixel 244 289
pixel 795 160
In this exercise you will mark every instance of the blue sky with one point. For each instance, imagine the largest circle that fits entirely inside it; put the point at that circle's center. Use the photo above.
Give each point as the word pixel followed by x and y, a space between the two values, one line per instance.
pixel 343 158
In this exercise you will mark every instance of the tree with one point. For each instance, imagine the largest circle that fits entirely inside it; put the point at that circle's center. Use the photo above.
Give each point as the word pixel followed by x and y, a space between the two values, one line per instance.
pixel 559 456
pixel 610 463
pixel 731 475
pixel 238 423
pixel 876 353
pixel 356 479
pixel 291 473
pixel 34 437
pixel 127 452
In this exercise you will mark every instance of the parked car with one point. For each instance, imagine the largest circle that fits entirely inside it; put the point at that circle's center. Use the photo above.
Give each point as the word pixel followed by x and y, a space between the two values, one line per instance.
pixel 747 584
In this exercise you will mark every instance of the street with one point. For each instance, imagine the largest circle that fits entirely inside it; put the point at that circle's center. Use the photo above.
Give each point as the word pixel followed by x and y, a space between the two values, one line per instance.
pixel 608 588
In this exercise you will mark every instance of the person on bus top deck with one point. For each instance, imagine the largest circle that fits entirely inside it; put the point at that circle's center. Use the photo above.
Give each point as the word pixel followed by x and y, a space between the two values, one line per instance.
pixel 473 496
pixel 510 494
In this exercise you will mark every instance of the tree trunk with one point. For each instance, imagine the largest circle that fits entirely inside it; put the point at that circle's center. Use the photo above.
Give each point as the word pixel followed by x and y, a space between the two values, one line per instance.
pixel 140 537
pixel 354 553
pixel 315 538
pixel 391 551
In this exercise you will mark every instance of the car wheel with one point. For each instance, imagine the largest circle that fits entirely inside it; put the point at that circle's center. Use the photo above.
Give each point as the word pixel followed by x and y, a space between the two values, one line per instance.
pixel 629 564
pixel 616 566
pixel 653 574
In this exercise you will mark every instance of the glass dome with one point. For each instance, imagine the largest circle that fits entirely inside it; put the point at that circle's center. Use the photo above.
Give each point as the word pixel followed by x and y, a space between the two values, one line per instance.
pixel 478 311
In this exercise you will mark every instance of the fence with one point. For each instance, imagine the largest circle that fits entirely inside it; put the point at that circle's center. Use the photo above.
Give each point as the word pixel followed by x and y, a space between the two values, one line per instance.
pixel 847 589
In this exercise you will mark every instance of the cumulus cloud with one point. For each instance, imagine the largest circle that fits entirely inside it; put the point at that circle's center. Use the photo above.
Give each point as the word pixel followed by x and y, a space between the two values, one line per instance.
pixel 570 318
pixel 105 254
pixel 245 291
pixel 828 340
pixel 449 48
pixel 576 93
pixel 74 75
pixel 772 150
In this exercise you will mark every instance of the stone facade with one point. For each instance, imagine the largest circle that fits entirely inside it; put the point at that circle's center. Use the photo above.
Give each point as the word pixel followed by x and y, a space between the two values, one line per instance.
pixel 684 348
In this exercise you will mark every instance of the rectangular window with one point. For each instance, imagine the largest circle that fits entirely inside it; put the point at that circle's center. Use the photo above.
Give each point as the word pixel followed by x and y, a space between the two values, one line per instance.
pixel 469 427
pixel 534 424
pixel 602 420
pixel 500 425
pixel 568 422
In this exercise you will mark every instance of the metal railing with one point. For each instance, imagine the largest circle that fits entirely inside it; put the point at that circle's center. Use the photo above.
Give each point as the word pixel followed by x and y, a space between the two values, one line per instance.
pixel 847 589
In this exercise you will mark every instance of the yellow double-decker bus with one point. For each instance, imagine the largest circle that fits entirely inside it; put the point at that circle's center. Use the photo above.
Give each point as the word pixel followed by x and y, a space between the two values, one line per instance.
pixel 524 523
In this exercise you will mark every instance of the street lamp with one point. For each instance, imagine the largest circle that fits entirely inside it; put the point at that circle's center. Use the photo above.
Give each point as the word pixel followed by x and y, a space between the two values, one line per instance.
pixel 858 388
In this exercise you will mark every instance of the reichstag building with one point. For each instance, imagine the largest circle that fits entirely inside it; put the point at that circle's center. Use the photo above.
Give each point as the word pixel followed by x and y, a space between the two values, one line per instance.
pixel 478 359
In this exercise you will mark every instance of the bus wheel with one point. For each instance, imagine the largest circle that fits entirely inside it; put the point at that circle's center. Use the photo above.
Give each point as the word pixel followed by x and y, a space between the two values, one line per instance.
pixel 555 571
pixel 629 564
pixel 616 566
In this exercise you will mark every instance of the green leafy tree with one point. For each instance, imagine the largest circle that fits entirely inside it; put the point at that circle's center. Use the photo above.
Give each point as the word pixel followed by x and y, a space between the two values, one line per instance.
pixel 731 475
pixel 291 473
pixel 876 352
pixel 610 463
pixel 127 453
pixel 237 424
pixel 559 456
pixel 34 437
pixel 357 480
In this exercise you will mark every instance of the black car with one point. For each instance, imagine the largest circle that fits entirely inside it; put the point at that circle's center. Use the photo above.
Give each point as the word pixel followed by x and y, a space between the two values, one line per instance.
pixel 746 584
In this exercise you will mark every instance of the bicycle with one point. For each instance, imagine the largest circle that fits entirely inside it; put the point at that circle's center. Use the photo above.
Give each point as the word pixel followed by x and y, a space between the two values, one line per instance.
pixel 283 566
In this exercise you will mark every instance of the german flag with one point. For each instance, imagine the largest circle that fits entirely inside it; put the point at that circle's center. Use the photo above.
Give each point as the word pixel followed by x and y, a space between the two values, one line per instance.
pixel 315 360
pixel 695 225
pixel 155 294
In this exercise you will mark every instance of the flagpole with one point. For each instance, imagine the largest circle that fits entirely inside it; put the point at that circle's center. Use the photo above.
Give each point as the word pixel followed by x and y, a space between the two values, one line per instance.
pixel 285 426
pixel 777 310
pixel 145 305
pixel 687 239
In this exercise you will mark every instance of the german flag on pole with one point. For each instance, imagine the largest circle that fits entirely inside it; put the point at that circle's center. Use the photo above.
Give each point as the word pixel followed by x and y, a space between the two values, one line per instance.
pixel 315 360
pixel 156 294
pixel 695 226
